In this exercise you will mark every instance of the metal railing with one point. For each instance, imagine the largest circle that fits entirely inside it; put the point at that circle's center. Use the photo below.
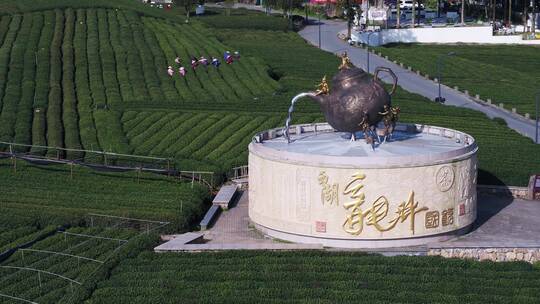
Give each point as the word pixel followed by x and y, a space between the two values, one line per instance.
pixel 239 172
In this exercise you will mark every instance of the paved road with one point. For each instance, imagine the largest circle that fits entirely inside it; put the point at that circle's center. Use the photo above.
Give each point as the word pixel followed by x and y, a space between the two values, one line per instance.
pixel 408 80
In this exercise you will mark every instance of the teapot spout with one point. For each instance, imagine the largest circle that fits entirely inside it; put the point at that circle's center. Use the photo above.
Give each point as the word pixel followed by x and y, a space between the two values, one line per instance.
pixel 315 96
pixel 319 98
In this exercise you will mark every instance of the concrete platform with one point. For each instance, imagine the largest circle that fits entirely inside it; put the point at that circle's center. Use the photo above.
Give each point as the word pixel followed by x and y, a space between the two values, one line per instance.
pixel 231 231
pixel 503 222
pixel 179 240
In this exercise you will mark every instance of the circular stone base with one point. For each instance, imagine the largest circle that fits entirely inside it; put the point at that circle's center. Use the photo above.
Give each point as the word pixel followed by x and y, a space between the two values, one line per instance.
pixel 416 188
pixel 359 243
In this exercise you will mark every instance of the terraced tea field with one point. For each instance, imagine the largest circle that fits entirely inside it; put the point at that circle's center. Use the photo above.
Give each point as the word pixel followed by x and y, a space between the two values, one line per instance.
pixel 76 66
pixel 216 141
pixel 505 74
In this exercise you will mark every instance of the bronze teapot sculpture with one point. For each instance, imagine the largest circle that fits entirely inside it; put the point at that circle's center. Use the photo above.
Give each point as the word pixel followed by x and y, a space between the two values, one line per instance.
pixel 357 102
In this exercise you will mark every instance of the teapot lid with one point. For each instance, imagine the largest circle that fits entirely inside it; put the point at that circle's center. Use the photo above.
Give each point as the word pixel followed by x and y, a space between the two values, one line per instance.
pixel 348 74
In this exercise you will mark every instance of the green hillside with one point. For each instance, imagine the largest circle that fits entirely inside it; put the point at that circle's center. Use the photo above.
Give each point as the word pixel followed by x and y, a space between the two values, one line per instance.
pixel 79 67
pixel 96 79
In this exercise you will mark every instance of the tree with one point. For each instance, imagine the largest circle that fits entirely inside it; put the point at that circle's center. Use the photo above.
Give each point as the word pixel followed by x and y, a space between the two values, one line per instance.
pixel 187 5
pixel 269 4
pixel 229 4
pixel 287 6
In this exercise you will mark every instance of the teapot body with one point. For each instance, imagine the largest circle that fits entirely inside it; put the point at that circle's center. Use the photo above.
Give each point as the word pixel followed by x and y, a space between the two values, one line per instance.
pixel 355 98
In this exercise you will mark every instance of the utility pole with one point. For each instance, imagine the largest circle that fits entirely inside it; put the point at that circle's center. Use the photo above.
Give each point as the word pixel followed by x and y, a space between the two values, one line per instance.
pixel 290 15
pixel 439 74
pixel 493 11
pixel 320 12
pixel 509 12
pixel 462 11
pixel 413 15
pixel 349 11
pixel 537 117
pixel 398 13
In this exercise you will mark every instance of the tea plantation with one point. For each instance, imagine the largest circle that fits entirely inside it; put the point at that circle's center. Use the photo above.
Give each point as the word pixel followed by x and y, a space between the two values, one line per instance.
pixel 505 74
pixel 93 75
pixel 315 277
pixel 95 79
pixel 46 288
pixel 46 195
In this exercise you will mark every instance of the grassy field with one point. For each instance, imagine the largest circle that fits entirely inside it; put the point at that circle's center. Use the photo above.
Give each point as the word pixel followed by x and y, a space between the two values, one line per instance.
pixel 505 74
pixel 315 277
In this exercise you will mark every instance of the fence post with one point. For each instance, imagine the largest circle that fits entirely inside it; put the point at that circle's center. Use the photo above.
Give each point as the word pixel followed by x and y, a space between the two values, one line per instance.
pixel 13 159
pixel 39 280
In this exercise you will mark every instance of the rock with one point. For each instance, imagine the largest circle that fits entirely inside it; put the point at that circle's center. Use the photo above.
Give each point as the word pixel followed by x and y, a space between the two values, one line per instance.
pixel 510 256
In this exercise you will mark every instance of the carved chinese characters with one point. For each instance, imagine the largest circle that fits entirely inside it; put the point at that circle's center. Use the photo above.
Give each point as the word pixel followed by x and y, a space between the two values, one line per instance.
pixel 375 214
pixel 432 219
pixel 329 193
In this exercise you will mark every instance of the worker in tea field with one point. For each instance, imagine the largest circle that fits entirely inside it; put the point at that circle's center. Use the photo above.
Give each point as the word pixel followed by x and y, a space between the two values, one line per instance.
pixel 194 62
pixel 236 55
pixel 229 59
pixel 203 61
pixel 215 62
pixel 177 60
pixel 170 71
pixel 182 71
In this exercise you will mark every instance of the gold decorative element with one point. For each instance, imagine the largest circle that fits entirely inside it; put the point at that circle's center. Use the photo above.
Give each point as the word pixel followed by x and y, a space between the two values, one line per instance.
pixel 390 118
pixel 329 193
pixel 322 88
pixel 345 61
pixel 354 222
pixel 367 129
pixel 432 219
pixel 448 217
pixel 445 178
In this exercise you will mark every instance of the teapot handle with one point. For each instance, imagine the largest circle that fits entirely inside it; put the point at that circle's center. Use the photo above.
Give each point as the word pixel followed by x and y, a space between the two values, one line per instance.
pixel 389 71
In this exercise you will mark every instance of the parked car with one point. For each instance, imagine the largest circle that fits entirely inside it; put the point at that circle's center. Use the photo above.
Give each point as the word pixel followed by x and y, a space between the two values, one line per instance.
pixel 408 4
